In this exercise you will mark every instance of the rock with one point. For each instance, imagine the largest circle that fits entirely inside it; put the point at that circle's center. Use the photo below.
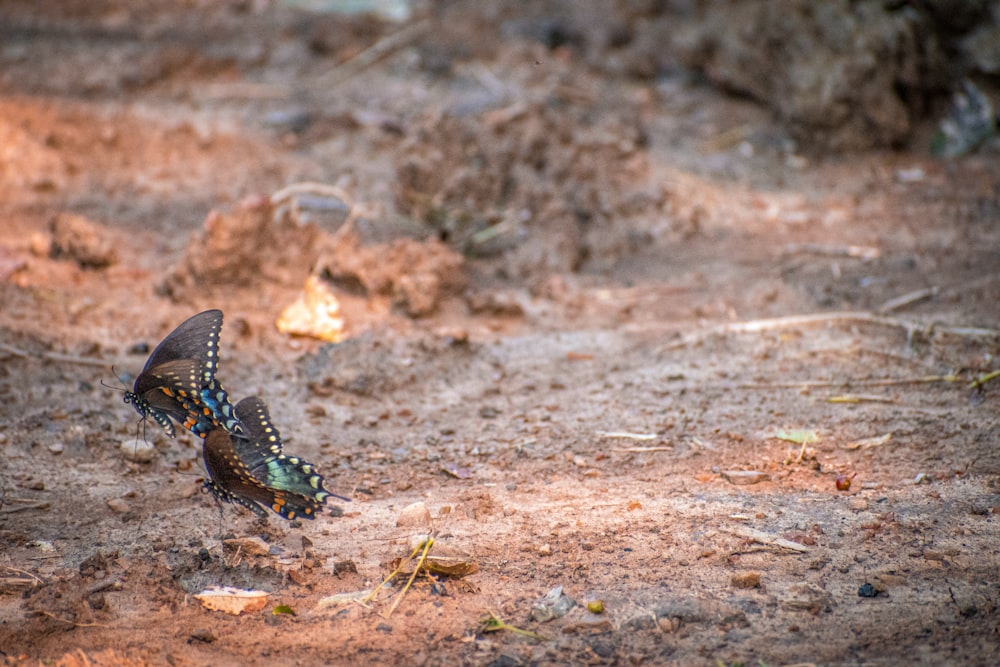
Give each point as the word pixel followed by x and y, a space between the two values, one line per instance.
pixel 415 515
pixel 118 505
pixel 744 477
pixel 137 451
pixel 555 604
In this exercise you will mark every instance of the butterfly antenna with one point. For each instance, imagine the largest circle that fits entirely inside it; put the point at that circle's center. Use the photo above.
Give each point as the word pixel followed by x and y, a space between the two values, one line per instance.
pixel 109 386
pixel 123 388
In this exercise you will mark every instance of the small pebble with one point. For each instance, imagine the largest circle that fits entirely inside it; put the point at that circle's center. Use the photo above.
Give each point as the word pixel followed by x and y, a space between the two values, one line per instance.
pixel 669 624
pixel 118 505
pixel 744 477
pixel 137 452
pixel 414 515
pixel 57 448
pixel 745 580
pixel 203 635
pixel 555 604
pixel 545 550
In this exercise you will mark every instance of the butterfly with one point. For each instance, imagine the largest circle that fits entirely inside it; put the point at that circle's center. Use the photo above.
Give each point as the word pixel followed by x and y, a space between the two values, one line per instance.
pixel 255 473
pixel 178 381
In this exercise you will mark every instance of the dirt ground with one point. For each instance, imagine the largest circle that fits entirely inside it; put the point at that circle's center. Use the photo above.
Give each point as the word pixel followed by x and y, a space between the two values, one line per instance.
pixel 617 335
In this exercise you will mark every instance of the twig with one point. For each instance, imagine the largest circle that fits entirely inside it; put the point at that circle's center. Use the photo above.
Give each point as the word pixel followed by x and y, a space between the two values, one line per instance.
pixel 35 577
pixel 818 384
pixel 105 585
pixel 368 57
pixel 908 299
pixel 758 326
pixel 41 505
pixel 860 252
pixel 640 450
pixel 629 436
pixel 766 538
pixel 53 356
pixel 13 582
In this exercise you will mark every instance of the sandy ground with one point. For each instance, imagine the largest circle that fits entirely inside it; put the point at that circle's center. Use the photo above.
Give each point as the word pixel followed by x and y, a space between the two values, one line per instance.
pixel 589 322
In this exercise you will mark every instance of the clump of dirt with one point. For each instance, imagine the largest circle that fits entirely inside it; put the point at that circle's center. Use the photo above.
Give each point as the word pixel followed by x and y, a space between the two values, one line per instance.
pixel 848 77
pixel 523 181
pixel 416 275
pixel 76 238
pixel 250 246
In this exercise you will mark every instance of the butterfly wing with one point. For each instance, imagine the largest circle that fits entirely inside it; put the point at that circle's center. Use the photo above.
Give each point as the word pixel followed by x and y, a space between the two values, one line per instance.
pixel 270 464
pixel 255 470
pixel 229 480
pixel 196 339
pixel 182 368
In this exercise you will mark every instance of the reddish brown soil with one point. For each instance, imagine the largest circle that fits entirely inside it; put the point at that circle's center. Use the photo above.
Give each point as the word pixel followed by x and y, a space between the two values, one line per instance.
pixel 629 251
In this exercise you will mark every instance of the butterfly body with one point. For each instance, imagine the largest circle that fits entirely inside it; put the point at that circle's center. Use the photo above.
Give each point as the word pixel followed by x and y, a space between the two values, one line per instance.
pixel 178 381
pixel 255 473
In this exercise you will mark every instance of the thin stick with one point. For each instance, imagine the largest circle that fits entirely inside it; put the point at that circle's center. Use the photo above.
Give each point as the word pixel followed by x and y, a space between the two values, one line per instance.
pixel 380 49
pixel 766 538
pixel 37 579
pixel 640 450
pixel 44 504
pixel 908 299
pixel 105 585
pixel 758 326
pixel 813 384
pixel 53 356
pixel 624 434
pixel 860 252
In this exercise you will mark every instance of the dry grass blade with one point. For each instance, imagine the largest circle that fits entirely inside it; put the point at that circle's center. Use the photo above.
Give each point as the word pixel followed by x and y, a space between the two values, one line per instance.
pixel 409 582
pixel 860 398
pixel 983 379
pixel 493 623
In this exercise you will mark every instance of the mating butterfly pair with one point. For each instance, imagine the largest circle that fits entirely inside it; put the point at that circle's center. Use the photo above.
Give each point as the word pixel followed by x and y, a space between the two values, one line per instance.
pixel 241 448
